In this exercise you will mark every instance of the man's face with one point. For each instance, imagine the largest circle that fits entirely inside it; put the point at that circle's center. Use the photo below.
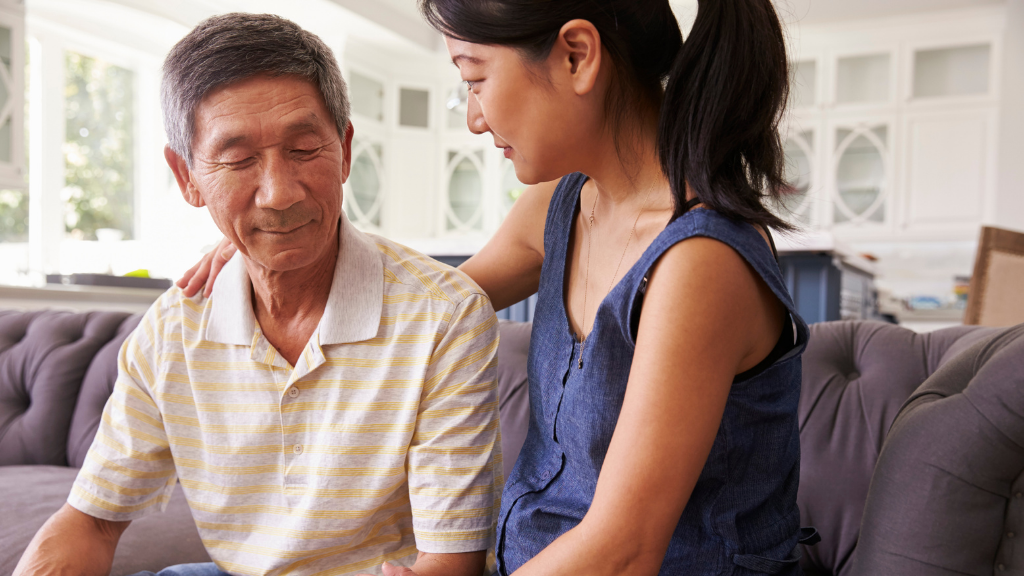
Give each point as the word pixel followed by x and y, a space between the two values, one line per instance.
pixel 269 163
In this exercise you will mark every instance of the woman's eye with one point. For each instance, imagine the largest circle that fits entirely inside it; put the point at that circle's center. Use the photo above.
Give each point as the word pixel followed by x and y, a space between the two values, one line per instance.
pixel 470 83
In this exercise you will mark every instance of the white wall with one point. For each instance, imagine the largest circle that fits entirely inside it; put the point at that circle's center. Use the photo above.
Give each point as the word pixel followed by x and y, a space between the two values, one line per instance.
pixel 1010 203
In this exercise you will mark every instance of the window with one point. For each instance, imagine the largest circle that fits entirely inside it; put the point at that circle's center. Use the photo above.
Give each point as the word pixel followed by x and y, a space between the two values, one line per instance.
pixel 98 150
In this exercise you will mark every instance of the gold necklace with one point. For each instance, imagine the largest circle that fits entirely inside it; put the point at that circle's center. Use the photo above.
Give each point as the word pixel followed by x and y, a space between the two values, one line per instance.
pixel 586 281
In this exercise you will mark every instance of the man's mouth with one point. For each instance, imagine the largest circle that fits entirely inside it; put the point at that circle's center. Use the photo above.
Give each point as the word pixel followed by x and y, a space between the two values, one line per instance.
pixel 282 231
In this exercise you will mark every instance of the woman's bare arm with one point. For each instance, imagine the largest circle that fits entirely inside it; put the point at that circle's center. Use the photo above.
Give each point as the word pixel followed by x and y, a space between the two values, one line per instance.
pixel 507 267
pixel 706 317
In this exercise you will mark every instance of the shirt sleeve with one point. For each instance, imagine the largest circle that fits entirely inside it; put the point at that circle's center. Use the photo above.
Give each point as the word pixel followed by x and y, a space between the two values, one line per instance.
pixel 454 466
pixel 128 471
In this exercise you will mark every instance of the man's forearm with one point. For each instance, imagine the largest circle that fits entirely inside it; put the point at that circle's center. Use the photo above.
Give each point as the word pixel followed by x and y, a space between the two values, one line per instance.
pixel 71 543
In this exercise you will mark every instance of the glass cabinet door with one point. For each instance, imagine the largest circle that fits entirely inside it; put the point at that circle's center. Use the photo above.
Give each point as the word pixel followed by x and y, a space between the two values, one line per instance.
pixel 796 201
pixel 511 188
pixel 861 174
pixel 364 189
pixel 465 191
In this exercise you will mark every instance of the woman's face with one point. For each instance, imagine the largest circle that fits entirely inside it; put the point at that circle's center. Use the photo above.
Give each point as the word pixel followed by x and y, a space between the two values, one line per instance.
pixel 532 110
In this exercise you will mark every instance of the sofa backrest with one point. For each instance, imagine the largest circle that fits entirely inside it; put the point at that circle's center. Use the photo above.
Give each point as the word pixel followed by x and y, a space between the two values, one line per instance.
pixel 856 377
pixel 97 386
pixel 44 357
pixel 947 496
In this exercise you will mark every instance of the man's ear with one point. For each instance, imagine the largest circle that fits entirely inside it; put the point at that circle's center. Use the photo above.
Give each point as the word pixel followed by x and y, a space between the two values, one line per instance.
pixel 346 152
pixel 184 177
pixel 578 49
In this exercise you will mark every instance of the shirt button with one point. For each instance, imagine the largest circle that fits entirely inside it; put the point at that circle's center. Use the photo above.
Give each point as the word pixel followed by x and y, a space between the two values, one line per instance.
pixel 1010 534
pixel 293 392
pixel 1018 495
pixel 297 449
pixel 1001 568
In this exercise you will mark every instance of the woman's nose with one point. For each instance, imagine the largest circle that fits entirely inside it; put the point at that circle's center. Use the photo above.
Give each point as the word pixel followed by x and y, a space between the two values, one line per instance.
pixel 474 117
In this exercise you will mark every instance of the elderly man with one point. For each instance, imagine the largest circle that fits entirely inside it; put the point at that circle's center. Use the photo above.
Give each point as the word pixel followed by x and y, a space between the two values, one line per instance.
pixel 331 406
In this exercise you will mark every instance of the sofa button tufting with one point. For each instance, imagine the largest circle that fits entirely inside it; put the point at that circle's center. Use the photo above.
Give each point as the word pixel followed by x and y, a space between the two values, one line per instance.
pixel 1001 568
pixel 1018 495
pixel 1010 534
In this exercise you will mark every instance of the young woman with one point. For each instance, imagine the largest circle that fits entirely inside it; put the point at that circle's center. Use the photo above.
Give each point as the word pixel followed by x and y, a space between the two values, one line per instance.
pixel 665 361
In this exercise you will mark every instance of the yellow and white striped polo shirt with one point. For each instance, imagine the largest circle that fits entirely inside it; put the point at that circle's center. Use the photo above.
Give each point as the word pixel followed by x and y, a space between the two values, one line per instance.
pixel 381 441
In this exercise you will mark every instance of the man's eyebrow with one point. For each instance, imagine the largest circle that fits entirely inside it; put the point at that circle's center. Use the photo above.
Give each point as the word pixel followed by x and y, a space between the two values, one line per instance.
pixel 226 143
pixel 469 59
pixel 309 124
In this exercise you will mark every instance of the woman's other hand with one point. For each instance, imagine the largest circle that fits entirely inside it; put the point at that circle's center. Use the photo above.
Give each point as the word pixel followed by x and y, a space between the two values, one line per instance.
pixel 206 270
pixel 391 570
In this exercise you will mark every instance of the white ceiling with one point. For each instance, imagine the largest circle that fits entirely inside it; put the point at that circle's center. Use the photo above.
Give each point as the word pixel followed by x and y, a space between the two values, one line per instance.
pixel 801 10
pixel 809 11
pixel 405 14
pixel 396 24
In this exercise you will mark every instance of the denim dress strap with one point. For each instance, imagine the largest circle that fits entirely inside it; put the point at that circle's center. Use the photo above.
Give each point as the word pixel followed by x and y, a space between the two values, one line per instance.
pixel 740 236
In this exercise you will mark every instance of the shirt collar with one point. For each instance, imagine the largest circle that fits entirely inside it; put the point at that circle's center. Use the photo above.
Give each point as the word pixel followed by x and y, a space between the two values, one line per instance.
pixel 353 308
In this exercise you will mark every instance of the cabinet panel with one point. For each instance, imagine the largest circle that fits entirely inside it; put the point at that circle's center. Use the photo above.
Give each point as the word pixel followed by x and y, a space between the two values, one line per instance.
pixel 946 172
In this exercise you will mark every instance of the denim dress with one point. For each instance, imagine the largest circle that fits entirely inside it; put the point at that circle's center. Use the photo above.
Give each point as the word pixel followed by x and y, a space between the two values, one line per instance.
pixel 742 517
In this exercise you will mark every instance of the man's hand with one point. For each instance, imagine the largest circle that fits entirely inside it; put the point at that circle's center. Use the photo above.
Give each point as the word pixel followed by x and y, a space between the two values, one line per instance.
pixel 71 543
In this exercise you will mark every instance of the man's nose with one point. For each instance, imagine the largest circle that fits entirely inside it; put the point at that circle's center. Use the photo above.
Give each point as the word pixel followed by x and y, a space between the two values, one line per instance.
pixel 279 187
pixel 474 117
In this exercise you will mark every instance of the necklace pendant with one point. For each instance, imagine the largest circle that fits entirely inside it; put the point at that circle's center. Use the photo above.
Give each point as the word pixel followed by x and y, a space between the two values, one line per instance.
pixel 580 365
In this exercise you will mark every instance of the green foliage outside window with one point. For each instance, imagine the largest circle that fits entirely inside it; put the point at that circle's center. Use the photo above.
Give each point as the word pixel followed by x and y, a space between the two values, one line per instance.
pixel 14 203
pixel 98 148
pixel 13 216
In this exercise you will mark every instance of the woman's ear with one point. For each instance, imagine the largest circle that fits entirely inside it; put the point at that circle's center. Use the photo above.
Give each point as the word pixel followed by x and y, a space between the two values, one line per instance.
pixel 184 177
pixel 578 50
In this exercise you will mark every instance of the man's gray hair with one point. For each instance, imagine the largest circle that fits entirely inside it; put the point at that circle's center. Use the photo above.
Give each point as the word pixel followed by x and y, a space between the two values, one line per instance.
pixel 233 47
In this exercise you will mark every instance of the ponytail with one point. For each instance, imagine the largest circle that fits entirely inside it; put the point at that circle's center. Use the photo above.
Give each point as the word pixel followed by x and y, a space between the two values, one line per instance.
pixel 718 129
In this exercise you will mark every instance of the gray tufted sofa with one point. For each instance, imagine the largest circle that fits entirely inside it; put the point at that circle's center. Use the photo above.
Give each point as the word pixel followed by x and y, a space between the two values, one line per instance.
pixel 946 496
pixel 56 371
pixel 938 494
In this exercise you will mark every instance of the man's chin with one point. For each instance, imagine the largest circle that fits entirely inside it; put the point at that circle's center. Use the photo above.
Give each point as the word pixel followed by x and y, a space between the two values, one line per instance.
pixel 284 259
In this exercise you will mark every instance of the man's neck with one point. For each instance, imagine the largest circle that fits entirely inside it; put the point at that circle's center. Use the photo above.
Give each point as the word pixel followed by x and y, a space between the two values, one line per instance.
pixel 289 305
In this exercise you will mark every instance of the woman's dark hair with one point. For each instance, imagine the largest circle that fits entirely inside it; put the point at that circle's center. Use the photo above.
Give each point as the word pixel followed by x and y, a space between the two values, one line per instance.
pixel 724 92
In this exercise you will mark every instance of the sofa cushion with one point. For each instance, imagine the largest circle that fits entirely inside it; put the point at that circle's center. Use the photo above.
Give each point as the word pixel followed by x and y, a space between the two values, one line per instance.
pixel 945 497
pixel 34 493
pixel 513 389
pixel 43 358
pixel 96 388
pixel 856 376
